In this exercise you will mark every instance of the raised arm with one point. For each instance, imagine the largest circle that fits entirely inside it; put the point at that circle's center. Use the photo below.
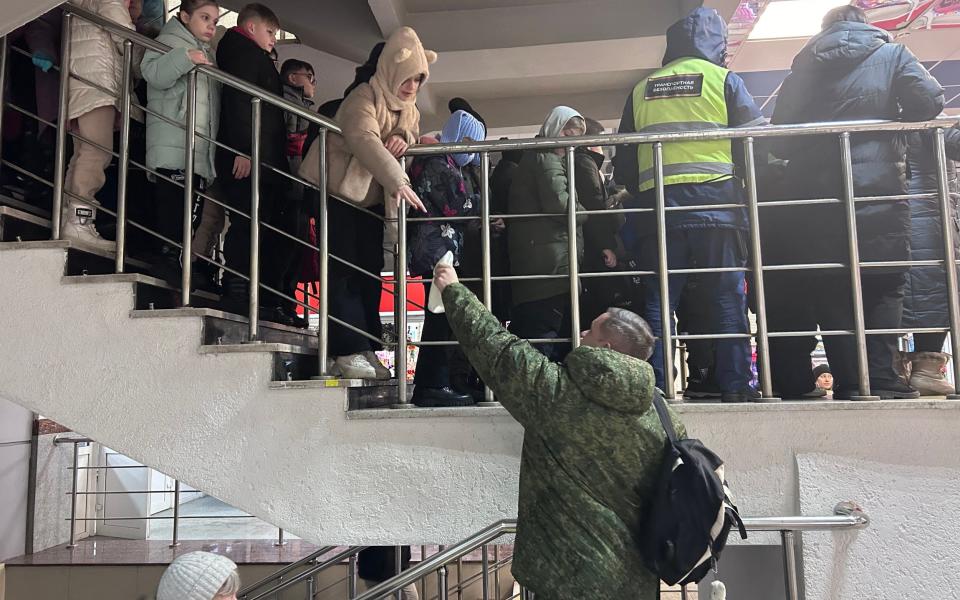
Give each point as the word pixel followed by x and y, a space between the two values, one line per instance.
pixel 525 381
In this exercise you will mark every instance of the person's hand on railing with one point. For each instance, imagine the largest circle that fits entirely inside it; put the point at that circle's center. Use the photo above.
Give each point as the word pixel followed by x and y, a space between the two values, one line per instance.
pixel 396 145
pixel 610 258
pixel 198 57
pixel 241 167
pixel 406 195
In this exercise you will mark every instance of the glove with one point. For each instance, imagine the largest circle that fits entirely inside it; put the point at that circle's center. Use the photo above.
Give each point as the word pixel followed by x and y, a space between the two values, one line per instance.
pixel 42 61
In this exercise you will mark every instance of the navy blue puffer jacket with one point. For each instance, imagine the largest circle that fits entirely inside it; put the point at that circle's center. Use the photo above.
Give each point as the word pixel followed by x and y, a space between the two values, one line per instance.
pixel 850 71
pixel 925 296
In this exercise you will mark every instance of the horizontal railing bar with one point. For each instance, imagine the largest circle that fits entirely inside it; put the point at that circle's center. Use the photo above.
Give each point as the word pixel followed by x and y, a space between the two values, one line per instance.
pixel 617 139
pixel 309 572
pixel 180 517
pixel 831 523
pixel 280 573
pixel 73 440
pixel 26 112
pixel 23 171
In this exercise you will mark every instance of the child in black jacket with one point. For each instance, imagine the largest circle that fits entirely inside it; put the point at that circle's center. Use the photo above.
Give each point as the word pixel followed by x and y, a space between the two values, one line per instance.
pixel 244 52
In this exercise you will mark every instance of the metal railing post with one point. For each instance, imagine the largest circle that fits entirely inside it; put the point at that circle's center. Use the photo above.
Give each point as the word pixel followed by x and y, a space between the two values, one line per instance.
pixel 496 571
pixel 486 270
pixel 442 583
pixel 123 161
pixel 400 319
pixel 398 567
pixel 753 211
pixel 949 257
pixel 3 83
pixel 485 568
pixel 254 305
pixel 323 306
pixel 280 538
pixel 73 498
pixel 352 577
pixel 176 514
pixel 790 564
pixel 59 160
pixel 190 142
pixel 666 315
pixel 863 375
pixel 311 587
pixel 572 249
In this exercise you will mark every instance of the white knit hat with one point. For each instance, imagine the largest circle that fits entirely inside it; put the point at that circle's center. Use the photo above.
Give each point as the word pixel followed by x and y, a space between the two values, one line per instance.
pixel 195 576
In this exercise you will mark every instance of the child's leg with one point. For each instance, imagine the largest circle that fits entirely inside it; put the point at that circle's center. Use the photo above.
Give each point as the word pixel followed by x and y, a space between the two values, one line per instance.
pixel 86 173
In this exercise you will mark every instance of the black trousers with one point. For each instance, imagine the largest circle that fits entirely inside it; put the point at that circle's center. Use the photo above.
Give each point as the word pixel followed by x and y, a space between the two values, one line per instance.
pixel 800 301
pixel 543 319
pixel 278 255
pixel 354 297
pixel 169 204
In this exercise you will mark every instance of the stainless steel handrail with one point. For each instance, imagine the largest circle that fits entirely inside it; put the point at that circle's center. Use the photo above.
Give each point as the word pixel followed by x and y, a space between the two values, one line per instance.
pixel 123 33
pixel 287 569
pixel 842 129
pixel 847 516
pixel 620 139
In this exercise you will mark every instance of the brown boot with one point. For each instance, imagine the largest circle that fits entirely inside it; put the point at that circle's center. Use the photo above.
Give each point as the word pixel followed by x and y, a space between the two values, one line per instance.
pixel 928 373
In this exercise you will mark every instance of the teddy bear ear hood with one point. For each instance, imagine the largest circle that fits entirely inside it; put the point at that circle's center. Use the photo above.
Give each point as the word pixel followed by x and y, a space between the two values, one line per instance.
pixel 403 57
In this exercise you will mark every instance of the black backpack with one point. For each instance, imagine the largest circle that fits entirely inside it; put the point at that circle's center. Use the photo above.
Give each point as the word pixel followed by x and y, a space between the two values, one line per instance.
pixel 690 515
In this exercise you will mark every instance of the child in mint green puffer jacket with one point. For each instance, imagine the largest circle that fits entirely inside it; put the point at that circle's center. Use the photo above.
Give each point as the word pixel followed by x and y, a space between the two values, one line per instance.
pixel 189 34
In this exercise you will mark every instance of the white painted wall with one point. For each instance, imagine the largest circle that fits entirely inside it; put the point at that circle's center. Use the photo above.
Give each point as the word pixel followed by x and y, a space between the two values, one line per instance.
pixel 16 425
pixel 296 459
pixel 14 13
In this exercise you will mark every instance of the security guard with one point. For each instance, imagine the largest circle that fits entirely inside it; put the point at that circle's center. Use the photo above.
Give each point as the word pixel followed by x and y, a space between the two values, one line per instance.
pixel 694 91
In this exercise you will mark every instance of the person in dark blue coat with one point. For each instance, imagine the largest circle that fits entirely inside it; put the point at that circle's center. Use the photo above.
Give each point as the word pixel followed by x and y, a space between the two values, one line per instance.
pixel 696 174
pixel 849 71
pixel 925 296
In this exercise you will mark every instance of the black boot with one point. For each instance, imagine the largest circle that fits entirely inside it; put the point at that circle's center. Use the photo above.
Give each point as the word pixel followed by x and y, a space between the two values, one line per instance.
pixel 429 397
pixel 167 266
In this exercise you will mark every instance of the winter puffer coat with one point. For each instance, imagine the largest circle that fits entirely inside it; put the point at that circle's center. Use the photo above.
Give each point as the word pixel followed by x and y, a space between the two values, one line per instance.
pixel 442 187
pixel 538 245
pixel 925 297
pixel 96 56
pixel 592 450
pixel 241 57
pixel 850 71
pixel 166 77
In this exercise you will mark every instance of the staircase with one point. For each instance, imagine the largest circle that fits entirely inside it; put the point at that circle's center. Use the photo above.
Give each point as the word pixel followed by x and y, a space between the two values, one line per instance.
pixel 182 390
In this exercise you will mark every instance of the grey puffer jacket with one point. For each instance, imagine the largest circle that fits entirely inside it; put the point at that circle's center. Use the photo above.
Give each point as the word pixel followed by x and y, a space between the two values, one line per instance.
pixel 849 71
pixel 925 297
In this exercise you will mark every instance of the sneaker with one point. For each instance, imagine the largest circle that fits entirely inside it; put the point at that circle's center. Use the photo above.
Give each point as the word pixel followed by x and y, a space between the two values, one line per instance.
pixel 354 366
pixel 380 371
pixel 814 394
pixel 701 391
pixel 747 395
pixel 885 390
pixel 429 397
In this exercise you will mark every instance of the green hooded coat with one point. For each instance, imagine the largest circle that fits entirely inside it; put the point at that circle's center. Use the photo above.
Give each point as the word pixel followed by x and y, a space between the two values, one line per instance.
pixel 592 452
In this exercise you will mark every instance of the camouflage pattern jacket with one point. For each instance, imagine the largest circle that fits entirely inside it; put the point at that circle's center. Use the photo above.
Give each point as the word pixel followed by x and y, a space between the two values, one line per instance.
pixel 591 455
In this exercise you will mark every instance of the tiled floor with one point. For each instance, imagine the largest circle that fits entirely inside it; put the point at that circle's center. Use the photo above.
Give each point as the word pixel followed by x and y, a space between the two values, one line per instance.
pixel 222 523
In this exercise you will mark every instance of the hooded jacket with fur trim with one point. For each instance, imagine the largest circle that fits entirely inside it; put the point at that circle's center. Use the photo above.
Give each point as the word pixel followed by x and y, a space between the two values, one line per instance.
pixel 360 168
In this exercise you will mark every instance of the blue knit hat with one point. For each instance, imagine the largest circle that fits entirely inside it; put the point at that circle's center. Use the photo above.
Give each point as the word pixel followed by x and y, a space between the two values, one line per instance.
pixel 459 126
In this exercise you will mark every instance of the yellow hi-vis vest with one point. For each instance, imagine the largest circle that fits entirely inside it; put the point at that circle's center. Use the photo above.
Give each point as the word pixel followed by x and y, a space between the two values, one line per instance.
pixel 687 94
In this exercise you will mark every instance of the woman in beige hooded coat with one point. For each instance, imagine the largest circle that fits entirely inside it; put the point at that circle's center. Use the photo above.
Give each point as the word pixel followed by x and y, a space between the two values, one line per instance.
pixel 379 121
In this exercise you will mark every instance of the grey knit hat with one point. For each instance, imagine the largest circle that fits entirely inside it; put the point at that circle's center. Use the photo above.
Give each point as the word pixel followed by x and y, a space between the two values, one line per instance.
pixel 195 576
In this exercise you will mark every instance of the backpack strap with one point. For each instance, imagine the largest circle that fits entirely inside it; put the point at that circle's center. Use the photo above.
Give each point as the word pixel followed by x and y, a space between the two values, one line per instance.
pixel 664 415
